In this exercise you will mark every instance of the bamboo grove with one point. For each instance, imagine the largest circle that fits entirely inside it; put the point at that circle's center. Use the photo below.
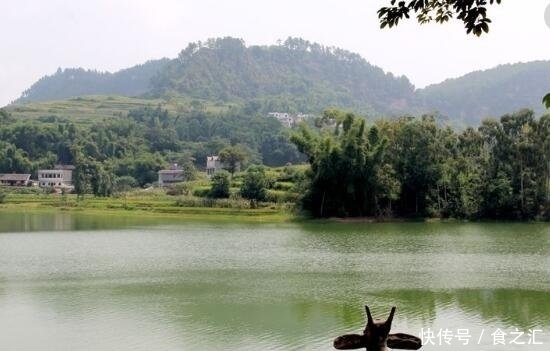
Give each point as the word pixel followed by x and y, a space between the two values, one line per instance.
pixel 412 167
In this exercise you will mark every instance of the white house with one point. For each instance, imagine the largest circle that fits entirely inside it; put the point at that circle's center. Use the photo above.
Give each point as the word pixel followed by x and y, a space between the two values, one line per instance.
pixel 287 119
pixel 171 176
pixel 213 165
pixel 61 176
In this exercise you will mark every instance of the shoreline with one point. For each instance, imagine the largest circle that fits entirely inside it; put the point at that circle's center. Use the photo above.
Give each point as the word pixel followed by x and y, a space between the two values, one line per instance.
pixel 167 207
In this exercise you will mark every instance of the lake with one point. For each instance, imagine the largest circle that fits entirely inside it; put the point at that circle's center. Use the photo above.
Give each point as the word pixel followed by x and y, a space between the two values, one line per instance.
pixel 77 282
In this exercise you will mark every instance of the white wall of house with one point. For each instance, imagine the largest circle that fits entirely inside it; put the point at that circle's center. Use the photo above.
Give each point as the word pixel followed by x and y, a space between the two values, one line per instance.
pixel 55 178
pixel 213 165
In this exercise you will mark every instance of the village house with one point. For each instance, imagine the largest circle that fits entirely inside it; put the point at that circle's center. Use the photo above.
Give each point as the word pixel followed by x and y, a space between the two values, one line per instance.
pixel 171 176
pixel 288 120
pixel 15 179
pixel 213 165
pixel 60 177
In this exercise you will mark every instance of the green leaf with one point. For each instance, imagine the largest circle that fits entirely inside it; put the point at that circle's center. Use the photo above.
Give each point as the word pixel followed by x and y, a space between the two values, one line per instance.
pixel 546 100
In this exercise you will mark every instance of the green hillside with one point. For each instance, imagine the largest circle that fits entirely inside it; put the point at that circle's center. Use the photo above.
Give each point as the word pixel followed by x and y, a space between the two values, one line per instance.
pixel 74 82
pixel 490 93
pixel 91 108
pixel 294 76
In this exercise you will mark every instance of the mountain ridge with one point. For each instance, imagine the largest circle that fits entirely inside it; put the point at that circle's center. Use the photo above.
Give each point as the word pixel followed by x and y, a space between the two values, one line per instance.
pixel 74 82
pixel 491 92
pixel 301 76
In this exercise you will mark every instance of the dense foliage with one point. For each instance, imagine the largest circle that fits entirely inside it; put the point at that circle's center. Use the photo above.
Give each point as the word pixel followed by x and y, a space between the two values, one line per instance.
pixel 472 13
pixel 414 167
pixel 294 76
pixel 73 82
pixel 220 185
pixel 254 185
pixel 403 167
pixel 116 152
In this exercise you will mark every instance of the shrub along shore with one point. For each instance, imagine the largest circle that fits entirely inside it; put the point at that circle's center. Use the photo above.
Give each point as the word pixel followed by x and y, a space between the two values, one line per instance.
pixel 151 203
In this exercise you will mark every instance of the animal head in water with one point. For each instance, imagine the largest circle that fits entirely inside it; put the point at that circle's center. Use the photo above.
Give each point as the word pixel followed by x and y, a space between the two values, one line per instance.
pixel 376 332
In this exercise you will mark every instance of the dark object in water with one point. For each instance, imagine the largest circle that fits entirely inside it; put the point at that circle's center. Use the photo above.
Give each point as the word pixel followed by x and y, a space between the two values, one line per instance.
pixel 350 342
pixel 403 341
pixel 377 337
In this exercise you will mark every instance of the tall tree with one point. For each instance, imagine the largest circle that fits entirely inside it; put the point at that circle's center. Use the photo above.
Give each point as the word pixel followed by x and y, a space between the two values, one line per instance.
pixel 344 164
pixel 233 157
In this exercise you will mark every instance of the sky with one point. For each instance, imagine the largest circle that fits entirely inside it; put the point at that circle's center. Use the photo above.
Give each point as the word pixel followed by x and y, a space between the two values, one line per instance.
pixel 38 36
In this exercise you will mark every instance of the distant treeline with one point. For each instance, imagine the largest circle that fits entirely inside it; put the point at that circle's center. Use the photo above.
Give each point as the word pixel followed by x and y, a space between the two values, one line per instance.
pixel 75 82
pixel 138 145
pixel 413 167
pixel 404 167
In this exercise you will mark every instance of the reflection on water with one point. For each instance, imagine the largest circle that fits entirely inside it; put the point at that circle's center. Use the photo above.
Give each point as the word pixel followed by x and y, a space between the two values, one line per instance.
pixel 26 222
pixel 272 287
pixel 61 221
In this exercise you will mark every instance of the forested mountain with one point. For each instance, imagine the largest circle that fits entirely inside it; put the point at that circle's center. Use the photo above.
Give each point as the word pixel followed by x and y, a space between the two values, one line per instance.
pixel 294 76
pixel 490 93
pixel 74 82
pixel 299 76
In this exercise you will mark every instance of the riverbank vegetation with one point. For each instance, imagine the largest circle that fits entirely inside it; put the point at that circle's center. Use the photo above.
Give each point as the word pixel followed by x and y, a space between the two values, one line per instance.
pixel 148 203
pixel 404 167
pixel 414 167
pixel 258 194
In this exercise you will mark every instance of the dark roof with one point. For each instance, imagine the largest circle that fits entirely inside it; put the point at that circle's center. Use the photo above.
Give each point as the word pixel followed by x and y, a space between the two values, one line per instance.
pixel 171 171
pixel 14 177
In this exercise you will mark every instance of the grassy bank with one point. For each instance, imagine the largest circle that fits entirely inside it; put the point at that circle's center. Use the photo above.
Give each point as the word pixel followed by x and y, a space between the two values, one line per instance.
pixel 151 204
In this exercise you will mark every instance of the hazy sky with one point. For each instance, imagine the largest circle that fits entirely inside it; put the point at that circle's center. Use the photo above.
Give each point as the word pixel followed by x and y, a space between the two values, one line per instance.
pixel 38 36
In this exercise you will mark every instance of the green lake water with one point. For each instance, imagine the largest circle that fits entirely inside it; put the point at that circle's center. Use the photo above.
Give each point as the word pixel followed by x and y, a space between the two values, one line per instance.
pixel 76 282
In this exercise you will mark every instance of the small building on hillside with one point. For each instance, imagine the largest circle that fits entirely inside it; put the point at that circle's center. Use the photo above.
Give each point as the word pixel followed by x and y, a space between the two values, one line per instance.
pixel 15 179
pixel 287 119
pixel 171 176
pixel 60 177
pixel 213 165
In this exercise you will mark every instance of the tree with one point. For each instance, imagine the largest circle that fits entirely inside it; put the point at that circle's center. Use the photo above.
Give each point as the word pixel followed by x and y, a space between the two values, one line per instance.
pixel 473 13
pixel 417 162
pixel 81 178
pixel 344 163
pixel 220 185
pixel 254 185
pixel 232 157
pixel 124 183
pixel 13 159
pixel 92 176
